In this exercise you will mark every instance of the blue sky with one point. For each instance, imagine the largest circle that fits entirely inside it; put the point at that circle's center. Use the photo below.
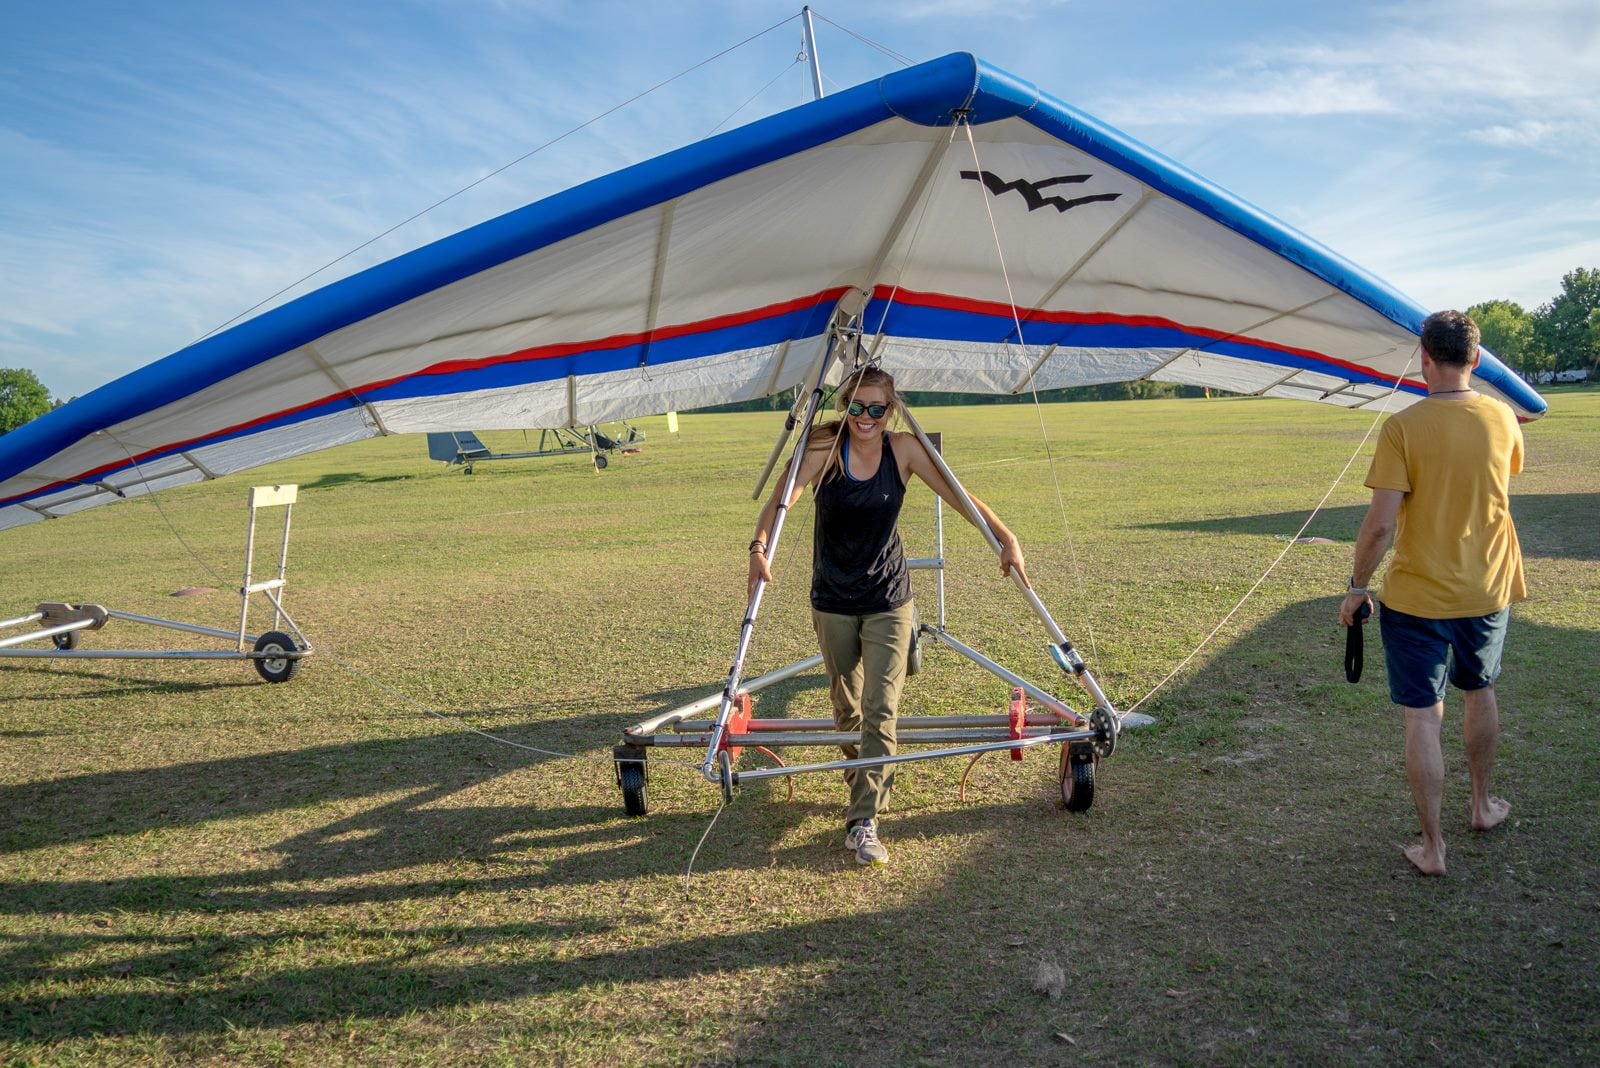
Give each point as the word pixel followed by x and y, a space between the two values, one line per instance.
pixel 167 166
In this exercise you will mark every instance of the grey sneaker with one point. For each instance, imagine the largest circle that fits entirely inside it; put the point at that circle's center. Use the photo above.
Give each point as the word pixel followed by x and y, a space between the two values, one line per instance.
pixel 863 838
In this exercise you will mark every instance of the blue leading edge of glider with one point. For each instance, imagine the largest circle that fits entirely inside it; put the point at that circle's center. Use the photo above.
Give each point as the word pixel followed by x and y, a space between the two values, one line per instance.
pixel 932 94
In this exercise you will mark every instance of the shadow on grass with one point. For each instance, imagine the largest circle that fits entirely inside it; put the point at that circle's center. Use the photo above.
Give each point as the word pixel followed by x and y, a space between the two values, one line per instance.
pixel 1554 525
pixel 1233 894
pixel 122 686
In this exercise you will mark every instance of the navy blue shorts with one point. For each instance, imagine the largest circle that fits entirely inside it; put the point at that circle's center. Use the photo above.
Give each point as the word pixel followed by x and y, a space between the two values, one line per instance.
pixel 1417 652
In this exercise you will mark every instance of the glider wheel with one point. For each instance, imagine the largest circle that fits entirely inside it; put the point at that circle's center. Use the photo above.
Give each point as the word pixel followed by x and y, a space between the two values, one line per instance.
pixel 631 777
pixel 1077 779
pixel 276 668
pixel 725 773
pixel 1105 733
pixel 66 641
pixel 599 462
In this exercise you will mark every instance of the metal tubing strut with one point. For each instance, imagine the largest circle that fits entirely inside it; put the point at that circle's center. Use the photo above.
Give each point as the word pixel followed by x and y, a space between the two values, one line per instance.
pixel 809 34
pixel 192 628
pixel 33 617
pixel 906 758
pixel 790 420
pixel 1084 677
pixel 650 726
pixel 1054 704
pixel 812 739
pixel 747 628
pixel 47 632
pixel 902 723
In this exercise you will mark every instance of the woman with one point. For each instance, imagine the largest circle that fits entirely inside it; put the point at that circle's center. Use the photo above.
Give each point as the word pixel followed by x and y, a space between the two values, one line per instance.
pixel 860 588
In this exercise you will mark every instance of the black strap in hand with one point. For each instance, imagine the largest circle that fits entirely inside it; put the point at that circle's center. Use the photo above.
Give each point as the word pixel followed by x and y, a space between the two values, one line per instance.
pixel 1353 644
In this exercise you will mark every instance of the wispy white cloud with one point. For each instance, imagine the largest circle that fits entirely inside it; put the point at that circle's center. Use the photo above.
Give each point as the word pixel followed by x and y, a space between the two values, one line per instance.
pixel 1529 133
pixel 1444 60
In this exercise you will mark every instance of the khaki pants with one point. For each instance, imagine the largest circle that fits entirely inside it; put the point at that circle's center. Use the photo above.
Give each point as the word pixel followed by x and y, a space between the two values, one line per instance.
pixel 866 661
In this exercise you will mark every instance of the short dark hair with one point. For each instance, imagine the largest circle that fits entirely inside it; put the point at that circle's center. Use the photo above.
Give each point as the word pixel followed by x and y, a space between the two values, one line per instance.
pixel 1450 337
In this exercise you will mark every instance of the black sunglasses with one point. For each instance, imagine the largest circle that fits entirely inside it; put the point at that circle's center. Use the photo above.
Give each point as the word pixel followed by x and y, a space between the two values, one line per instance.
pixel 874 410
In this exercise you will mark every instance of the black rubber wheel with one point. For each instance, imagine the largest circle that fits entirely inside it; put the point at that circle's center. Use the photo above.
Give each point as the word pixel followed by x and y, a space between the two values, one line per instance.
pixel 599 462
pixel 277 669
pixel 66 641
pixel 630 773
pixel 1077 783
pixel 725 768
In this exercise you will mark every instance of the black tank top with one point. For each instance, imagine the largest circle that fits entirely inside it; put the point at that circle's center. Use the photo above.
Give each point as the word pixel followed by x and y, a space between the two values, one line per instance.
pixel 858 565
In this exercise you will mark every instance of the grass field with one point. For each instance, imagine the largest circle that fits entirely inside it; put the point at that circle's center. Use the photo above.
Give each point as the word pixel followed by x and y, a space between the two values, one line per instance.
pixel 196 866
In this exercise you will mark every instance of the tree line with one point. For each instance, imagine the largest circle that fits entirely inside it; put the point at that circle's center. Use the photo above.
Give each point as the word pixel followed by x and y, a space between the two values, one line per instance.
pixel 1562 334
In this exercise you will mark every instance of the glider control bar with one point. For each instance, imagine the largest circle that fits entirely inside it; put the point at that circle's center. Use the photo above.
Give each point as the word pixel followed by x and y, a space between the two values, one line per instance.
pixel 844 316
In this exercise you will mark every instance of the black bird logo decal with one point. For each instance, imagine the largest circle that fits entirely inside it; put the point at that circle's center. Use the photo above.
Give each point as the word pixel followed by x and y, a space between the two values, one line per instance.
pixel 1030 190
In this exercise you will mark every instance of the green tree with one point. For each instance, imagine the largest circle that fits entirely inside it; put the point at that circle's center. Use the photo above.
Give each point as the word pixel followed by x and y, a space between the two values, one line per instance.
pixel 22 398
pixel 1508 333
pixel 1562 327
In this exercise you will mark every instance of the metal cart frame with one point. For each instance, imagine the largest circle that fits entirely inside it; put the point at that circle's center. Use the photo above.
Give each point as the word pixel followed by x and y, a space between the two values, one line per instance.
pixel 1084 738
pixel 276 654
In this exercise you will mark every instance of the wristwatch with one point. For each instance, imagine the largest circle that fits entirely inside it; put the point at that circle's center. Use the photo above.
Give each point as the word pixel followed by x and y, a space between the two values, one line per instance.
pixel 1353 588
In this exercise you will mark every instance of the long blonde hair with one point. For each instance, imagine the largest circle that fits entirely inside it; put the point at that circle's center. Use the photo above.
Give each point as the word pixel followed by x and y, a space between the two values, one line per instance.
pixel 828 435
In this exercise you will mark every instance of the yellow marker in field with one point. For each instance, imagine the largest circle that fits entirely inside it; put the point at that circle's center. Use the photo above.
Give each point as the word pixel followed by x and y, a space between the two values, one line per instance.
pixel 672 422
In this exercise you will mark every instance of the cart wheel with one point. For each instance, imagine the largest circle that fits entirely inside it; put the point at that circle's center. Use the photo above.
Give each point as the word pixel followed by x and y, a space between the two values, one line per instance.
pixel 630 773
pixel 66 641
pixel 1106 730
pixel 599 462
pixel 1077 782
pixel 725 773
pixel 277 669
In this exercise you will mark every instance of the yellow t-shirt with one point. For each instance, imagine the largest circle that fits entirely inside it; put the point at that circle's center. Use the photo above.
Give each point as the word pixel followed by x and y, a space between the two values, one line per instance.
pixel 1455 548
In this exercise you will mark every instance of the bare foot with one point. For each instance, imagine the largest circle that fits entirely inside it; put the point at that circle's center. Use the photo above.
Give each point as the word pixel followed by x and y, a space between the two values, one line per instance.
pixel 1425 860
pixel 1493 814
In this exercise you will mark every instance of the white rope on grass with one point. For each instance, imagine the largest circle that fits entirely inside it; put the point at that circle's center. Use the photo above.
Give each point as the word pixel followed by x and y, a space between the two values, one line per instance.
pixel 1279 558
pixel 689 871
pixel 468 728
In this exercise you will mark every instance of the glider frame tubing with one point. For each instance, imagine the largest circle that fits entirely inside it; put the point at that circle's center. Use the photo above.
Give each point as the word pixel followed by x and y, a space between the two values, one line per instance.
pixel 276 653
pixel 1084 739
pixel 463 448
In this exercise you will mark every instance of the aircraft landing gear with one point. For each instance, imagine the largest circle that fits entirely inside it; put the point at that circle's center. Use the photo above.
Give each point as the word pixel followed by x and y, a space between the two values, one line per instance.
pixel 631 776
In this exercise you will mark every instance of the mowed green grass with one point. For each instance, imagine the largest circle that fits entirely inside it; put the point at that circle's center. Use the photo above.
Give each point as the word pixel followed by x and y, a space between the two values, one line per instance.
pixel 199 867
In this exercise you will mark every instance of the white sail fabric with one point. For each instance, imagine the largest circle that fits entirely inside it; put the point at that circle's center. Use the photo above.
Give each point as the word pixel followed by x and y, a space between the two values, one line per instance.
pixel 1004 242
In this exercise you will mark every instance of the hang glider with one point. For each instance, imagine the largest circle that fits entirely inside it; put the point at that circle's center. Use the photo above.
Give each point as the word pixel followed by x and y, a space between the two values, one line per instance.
pixel 464 449
pixel 986 237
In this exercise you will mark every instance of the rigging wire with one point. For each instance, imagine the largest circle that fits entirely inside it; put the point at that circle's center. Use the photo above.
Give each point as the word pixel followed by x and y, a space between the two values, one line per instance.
pixel 498 170
pixel 1279 559
pixel 468 728
pixel 1033 388
pixel 753 96
pixel 891 53
pixel 154 498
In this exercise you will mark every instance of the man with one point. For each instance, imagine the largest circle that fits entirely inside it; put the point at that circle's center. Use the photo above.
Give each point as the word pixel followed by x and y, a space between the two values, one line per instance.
pixel 1439 492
